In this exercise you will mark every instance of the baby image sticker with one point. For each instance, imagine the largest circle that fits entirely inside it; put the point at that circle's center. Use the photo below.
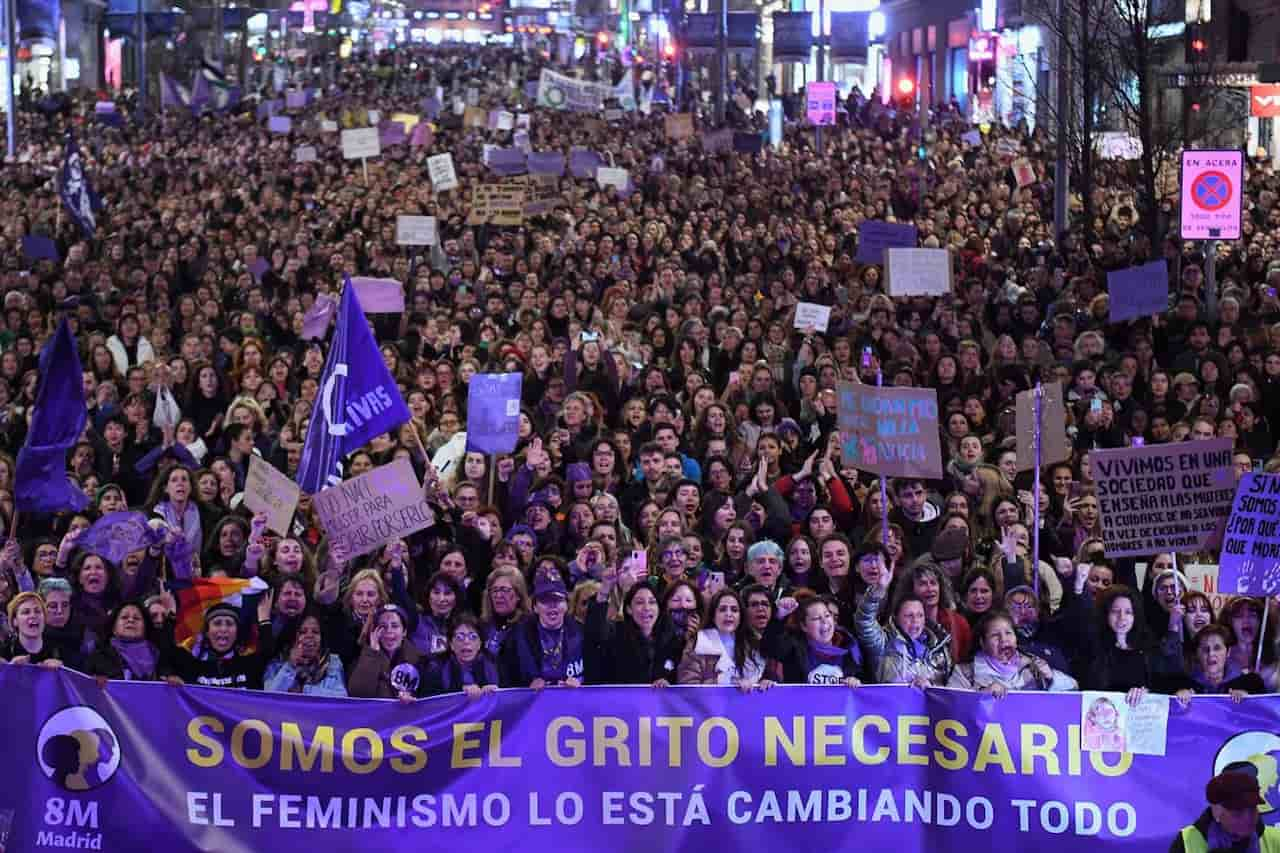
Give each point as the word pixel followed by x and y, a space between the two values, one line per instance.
pixel 1108 723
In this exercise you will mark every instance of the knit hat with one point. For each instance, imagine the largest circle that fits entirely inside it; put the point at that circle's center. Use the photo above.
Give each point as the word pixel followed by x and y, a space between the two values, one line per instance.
pixel 221 609
pixel 1233 789
pixel 577 472
pixel 950 544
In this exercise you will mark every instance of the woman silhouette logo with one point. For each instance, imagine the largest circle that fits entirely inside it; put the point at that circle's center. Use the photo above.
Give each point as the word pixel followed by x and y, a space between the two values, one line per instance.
pixel 77 749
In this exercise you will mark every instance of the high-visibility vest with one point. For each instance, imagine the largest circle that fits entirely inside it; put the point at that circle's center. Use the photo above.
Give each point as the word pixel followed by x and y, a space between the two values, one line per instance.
pixel 1194 842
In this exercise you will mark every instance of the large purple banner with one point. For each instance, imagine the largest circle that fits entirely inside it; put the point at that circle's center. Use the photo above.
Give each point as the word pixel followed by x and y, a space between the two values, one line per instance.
pixel 151 767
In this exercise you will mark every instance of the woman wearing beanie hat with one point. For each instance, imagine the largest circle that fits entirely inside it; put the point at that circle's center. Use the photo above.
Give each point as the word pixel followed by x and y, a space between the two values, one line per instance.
pixel 218 657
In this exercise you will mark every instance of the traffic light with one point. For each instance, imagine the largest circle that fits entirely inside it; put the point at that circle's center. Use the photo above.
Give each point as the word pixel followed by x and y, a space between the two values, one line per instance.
pixel 602 39
pixel 1197 47
pixel 669 51
pixel 906 93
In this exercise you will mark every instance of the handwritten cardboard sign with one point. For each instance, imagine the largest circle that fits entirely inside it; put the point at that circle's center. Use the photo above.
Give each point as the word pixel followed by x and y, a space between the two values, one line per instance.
pixel 1053 427
pixel 440 169
pixel 271 493
pixel 1250 561
pixel 1163 498
pixel 678 126
pixel 890 431
pixel 360 143
pixel 363 514
pixel 811 314
pixel 497 204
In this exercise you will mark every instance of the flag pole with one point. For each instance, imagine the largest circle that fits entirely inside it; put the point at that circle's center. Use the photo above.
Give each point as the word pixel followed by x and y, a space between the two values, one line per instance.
pixel 11 63
pixel 493 469
pixel 1035 492
pixel 884 487
pixel 1262 632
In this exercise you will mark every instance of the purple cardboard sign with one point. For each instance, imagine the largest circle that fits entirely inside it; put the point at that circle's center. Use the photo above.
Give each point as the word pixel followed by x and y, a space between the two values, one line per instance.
pixel 1139 291
pixel 1250 561
pixel 379 295
pixel 316 321
pixel 874 236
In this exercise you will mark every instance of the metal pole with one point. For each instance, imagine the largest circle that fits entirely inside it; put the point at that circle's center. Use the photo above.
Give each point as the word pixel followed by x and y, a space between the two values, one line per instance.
pixel 11 64
pixel 1262 633
pixel 1061 171
pixel 142 60
pixel 884 487
pixel 1211 280
pixel 722 61
pixel 218 36
pixel 822 40
pixel 1035 493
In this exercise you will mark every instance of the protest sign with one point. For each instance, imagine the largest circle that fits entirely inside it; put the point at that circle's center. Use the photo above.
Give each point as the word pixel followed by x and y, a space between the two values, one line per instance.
pixel 972 138
pixel 379 295
pixel 717 140
pixel 363 514
pixel 360 143
pixel 890 431
pixel 475 117
pixel 583 162
pixel 391 133
pixel 612 115
pixel 271 493
pixel 473 96
pixel 1250 561
pixel 505 120
pixel 809 314
pixel 328 126
pixel 280 124
pixel 1023 172
pixel 440 169
pixel 497 204
pixel 820 99
pixel 493 412
pixel 1163 498
pixel 1110 724
pixel 561 92
pixel 912 272
pixel 678 126
pixel 415 230
pixel 1139 291
pixel 38 247
pixel 295 100
pixel 406 120
pixel 506 161
pixel 874 236
pixel 1054 446
pixel 304 154
pixel 1203 577
pixel 546 163
pixel 607 176
pixel 541 194
pixel 374 116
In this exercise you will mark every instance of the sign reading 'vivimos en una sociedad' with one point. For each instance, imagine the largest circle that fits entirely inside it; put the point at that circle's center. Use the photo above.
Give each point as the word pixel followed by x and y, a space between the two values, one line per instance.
pixel 1165 498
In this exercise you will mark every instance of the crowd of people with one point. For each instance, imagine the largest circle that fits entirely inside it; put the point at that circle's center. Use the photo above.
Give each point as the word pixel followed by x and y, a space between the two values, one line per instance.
pixel 678 509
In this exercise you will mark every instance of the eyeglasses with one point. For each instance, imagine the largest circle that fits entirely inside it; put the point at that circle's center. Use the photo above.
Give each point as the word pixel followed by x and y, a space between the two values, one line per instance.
pixel 466 637
pixel 502 591
pixel 671 555
pixel 1021 605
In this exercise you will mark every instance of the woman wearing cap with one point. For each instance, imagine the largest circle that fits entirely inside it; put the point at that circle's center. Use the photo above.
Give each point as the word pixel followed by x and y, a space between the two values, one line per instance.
pixel 726 653
pixel 546 649
pixel 28 645
pixel 1231 821
pixel 135 648
pixel 388 666
pixel 910 649
pixel 644 648
pixel 305 665
pixel 816 650
pixel 467 666
pixel 998 666
pixel 218 657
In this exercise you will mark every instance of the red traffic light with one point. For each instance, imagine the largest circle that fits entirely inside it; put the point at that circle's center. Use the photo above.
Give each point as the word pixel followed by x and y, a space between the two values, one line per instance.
pixel 906 86
pixel 1198 45
pixel 669 50
pixel 603 39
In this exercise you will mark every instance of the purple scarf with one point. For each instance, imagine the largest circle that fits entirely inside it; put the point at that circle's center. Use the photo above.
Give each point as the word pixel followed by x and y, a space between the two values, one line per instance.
pixel 139 658
pixel 552 653
pixel 1006 671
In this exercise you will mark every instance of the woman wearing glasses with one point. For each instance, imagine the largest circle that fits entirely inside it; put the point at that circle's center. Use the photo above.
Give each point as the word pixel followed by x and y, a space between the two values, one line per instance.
pixel 467 667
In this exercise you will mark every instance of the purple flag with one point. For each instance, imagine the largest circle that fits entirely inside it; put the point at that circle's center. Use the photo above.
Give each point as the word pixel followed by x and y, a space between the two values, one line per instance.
pixel 422 136
pixel 37 247
pixel 390 133
pixel 117 535
pixel 507 161
pixel 431 106
pixel 316 321
pixel 493 412
pixel 546 163
pixel 583 163
pixel 41 483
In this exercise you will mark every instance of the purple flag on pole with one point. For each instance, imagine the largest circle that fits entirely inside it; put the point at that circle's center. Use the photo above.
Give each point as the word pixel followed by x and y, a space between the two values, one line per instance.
pixel 116 535
pixel 41 483
pixel 316 321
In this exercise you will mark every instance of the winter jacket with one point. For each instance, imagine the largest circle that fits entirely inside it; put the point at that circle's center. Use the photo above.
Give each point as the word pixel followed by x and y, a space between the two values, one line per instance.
pixel 706 661
pixel 1194 838
pixel 377 676
pixel 618 655
pixel 448 676
pixel 891 654
pixel 978 674
pixel 281 677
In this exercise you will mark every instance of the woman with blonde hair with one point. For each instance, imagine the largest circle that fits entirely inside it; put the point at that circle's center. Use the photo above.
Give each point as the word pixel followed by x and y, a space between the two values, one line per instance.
pixel 506 602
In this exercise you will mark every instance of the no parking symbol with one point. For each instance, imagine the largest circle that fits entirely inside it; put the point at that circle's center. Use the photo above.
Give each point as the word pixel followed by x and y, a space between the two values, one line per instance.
pixel 1211 190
